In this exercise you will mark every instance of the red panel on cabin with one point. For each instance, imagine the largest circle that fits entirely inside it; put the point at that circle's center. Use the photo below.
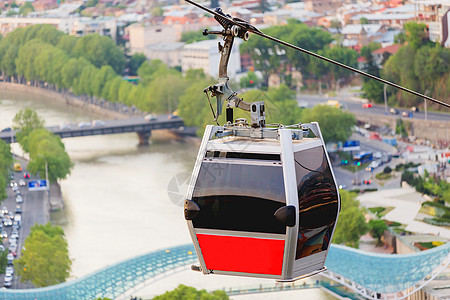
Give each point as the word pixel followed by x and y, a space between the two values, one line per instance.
pixel 242 254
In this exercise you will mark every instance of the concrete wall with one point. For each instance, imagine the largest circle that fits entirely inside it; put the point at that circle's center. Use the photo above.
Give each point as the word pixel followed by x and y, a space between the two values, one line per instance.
pixel 427 129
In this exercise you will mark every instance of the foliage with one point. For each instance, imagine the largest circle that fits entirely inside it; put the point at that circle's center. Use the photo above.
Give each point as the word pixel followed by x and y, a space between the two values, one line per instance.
pixel 26 8
pixel 377 210
pixel 419 65
pixel 440 189
pixel 6 161
pixel 373 89
pixel 377 228
pixel 190 37
pixel 328 117
pixel 42 145
pixel 400 128
pixel 351 222
pixel 383 176
pixel 45 259
pixel 408 177
pixel 45 147
pixel 270 58
pixel 387 170
pixel 187 292
pixel 250 80
pixel 3 261
pixel 26 121
pixel 135 62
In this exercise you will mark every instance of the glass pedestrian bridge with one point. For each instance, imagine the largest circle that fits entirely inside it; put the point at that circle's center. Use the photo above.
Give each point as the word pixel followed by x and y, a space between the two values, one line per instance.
pixel 367 273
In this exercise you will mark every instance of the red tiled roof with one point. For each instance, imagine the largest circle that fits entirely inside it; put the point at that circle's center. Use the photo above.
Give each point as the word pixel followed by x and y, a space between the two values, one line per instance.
pixel 392 49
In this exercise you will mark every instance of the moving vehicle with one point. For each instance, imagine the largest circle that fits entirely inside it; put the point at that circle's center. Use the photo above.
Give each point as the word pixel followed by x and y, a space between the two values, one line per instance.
pixel 98 123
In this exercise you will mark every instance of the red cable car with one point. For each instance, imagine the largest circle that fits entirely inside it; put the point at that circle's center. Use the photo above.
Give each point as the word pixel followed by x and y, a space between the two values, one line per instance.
pixel 262 207
pixel 263 200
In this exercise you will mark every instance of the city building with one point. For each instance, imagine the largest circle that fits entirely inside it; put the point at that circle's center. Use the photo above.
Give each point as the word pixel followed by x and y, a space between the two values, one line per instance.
pixel 169 53
pixel 205 55
pixel 141 36
pixel 105 26
pixel 434 14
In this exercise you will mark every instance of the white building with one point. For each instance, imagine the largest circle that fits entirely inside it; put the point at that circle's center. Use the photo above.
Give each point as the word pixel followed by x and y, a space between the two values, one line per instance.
pixel 432 13
pixel 205 55
pixel 169 53
pixel 142 36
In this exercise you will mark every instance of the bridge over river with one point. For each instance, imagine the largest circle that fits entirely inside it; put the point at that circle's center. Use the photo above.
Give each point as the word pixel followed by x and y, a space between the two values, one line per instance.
pixel 137 124
pixel 368 274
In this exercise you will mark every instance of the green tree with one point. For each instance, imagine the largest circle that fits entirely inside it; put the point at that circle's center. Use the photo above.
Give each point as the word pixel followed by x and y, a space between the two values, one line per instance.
pixel 190 37
pixel 250 81
pixel 45 147
pixel 373 89
pixel 377 229
pixel 328 117
pixel 3 260
pixel 351 223
pixel 6 161
pixel 25 121
pixel 45 259
pixel 100 51
pixel 416 34
pixel 135 62
pixel 187 292
pixel 26 9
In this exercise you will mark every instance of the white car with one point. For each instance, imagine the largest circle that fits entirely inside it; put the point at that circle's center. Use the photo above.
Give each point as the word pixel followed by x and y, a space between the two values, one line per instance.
pixel 9 270
pixel 98 123
pixel 84 124
pixel 19 199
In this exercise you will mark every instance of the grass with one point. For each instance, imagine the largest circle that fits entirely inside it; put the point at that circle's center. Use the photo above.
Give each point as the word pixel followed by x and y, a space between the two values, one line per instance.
pixel 383 176
pixel 380 211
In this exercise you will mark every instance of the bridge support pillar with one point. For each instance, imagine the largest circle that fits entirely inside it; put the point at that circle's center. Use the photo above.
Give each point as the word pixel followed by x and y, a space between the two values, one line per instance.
pixel 144 136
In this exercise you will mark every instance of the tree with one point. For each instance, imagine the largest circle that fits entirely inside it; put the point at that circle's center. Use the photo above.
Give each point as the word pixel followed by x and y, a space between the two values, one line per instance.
pixel 26 9
pixel 45 259
pixel 250 81
pixel 373 89
pixel 45 147
pixel 26 121
pixel 135 62
pixel 6 161
pixel 416 34
pixel 190 37
pixel 187 292
pixel 351 223
pixel 377 229
pixel 336 125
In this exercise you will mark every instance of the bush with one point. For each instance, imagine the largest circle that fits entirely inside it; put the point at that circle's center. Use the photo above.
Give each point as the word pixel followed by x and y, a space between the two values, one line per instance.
pixel 387 170
pixel 408 177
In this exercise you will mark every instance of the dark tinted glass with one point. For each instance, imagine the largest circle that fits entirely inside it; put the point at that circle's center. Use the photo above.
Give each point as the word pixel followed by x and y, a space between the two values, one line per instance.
pixel 318 201
pixel 234 195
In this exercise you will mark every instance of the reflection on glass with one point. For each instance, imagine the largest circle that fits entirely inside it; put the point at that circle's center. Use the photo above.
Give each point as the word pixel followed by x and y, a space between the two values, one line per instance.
pixel 242 197
pixel 318 201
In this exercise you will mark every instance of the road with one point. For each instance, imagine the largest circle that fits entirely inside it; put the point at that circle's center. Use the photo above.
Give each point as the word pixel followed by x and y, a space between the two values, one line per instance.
pixel 345 177
pixel 34 211
pixel 354 105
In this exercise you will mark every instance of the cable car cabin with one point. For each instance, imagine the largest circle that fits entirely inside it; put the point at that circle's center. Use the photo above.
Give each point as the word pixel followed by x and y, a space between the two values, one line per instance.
pixel 262 202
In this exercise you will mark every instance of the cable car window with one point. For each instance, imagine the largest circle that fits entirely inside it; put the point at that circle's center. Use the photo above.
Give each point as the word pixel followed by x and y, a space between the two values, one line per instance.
pixel 239 196
pixel 318 201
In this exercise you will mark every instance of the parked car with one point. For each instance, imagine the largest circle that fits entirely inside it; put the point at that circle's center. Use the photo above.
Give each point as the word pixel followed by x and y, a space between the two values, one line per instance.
pixel 10 258
pixel 19 199
pixel 26 175
pixel 4 210
pixel 7 129
pixel 18 209
pixel 9 270
pixel 14 235
pixel 3 234
pixel 2 248
pixel 367 105
pixel 22 182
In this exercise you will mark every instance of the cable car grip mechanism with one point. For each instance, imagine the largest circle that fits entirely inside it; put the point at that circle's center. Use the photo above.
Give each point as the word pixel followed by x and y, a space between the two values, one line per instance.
pixel 222 90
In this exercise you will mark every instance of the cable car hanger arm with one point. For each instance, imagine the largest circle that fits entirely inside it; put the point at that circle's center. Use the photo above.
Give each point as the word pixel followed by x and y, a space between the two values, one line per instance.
pixel 246 26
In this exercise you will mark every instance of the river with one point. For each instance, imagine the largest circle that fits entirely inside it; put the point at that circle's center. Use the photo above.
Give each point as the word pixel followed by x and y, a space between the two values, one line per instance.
pixel 116 197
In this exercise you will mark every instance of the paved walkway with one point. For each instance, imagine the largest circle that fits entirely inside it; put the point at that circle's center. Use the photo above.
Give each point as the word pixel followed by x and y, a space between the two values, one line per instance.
pixel 407 203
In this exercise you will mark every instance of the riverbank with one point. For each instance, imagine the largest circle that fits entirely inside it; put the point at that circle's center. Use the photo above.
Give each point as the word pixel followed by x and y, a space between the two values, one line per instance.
pixel 66 98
